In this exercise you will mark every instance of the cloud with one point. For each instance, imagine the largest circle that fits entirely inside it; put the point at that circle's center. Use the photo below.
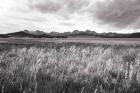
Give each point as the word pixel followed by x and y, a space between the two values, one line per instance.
pixel 67 24
pixel 46 6
pixel 59 7
pixel 119 13
pixel 76 5
pixel 31 19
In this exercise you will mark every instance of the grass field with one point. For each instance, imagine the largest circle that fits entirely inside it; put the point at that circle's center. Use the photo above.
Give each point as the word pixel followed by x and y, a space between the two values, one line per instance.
pixel 110 41
pixel 84 66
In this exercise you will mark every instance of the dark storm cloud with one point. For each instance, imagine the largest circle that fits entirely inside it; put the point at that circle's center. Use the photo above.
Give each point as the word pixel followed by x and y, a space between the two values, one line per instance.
pixel 53 6
pixel 120 13
pixel 45 6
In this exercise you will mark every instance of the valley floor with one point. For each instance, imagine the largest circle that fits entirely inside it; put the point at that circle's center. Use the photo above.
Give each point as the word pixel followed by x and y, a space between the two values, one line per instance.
pixel 112 41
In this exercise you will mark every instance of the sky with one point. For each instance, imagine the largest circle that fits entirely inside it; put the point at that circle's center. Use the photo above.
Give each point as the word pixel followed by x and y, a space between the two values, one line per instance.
pixel 122 16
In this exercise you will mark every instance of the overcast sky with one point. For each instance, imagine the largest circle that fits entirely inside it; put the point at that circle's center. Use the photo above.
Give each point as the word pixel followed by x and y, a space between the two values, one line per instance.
pixel 67 15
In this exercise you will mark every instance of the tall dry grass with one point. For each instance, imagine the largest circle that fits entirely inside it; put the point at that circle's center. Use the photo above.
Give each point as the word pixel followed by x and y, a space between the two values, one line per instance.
pixel 70 69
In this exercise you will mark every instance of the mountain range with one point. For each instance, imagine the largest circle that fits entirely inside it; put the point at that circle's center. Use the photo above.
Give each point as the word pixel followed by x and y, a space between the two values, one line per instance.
pixel 75 33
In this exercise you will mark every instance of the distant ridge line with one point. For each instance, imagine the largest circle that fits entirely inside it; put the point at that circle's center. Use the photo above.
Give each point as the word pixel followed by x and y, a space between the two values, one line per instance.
pixel 75 33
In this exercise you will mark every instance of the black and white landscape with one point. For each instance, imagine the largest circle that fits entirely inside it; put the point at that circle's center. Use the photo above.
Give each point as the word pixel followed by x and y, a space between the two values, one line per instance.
pixel 70 46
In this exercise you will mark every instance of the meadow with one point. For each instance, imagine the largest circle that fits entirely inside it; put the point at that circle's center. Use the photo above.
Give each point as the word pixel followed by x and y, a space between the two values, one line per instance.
pixel 69 68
